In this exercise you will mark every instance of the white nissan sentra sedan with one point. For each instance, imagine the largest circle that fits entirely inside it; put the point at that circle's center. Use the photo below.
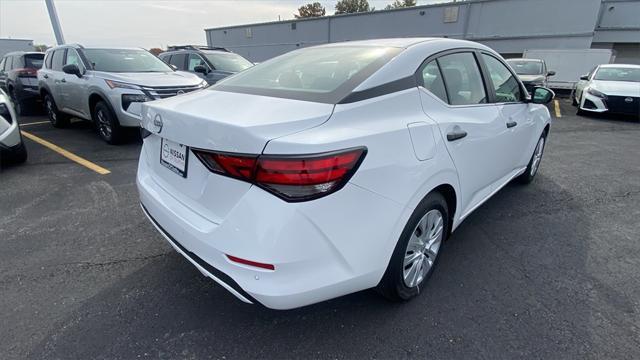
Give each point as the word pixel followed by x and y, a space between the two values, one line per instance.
pixel 609 88
pixel 337 168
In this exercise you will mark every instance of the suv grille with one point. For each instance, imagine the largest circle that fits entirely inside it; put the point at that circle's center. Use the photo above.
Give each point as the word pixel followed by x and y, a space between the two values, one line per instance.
pixel 169 91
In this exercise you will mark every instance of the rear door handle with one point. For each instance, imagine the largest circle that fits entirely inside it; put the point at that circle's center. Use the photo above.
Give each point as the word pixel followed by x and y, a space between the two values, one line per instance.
pixel 456 135
pixel 46 76
pixel 511 124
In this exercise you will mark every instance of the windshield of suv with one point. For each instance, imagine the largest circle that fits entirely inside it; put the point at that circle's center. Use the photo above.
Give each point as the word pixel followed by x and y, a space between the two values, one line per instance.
pixel 33 61
pixel 323 74
pixel 526 67
pixel 618 74
pixel 228 62
pixel 125 60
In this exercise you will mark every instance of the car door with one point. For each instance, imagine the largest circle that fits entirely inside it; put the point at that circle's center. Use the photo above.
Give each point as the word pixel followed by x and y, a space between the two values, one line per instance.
pixel 54 77
pixel 509 97
pixel 73 88
pixel 178 61
pixel 454 96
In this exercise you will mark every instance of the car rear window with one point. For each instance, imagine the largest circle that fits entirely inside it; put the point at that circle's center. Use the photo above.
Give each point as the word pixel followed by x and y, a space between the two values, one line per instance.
pixel 322 74
pixel 228 62
pixel 34 61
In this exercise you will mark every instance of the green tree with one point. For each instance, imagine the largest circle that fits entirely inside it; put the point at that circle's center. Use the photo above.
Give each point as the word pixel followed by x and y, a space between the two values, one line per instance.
pixel 310 10
pixel 352 6
pixel 397 4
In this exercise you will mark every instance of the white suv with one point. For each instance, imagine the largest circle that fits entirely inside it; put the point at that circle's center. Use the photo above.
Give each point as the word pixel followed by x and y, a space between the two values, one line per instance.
pixel 337 168
pixel 107 85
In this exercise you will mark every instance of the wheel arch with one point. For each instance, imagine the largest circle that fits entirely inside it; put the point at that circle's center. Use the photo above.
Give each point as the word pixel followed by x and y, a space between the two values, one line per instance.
pixel 95 98
pixel 449 193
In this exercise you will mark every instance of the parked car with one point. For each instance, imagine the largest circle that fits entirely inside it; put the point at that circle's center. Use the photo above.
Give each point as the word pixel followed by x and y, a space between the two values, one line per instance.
pixel 12 148
pixel 337 168
pixel 610 88
pixel 532 72
pixel 210 63
pixel 18 77
pixel 107 86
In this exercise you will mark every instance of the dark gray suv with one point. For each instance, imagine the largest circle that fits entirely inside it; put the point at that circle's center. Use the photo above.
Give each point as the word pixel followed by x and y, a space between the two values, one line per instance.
pixel 210 63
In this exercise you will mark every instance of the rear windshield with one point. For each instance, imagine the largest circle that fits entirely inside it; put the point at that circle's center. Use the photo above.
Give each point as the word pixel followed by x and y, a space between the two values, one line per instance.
pixel 228 62
pixel 523 67
pixel 323 74
pixel 33 61
pixel 618 74
pixel 125 60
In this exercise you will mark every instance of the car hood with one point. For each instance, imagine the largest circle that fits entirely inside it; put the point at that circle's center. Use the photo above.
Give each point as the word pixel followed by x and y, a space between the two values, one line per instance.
pixel 154 79
pixel 617 88
pixel 531 78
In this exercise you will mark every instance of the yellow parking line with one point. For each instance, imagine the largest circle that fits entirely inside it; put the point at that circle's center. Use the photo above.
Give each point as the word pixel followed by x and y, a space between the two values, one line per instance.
pixel 35 123
pixel 73 157
pixel 557 107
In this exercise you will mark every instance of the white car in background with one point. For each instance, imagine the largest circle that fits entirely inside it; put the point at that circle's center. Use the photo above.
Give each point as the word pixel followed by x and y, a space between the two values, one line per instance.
pixel 610 88
pixel 337 168
pixel 12 148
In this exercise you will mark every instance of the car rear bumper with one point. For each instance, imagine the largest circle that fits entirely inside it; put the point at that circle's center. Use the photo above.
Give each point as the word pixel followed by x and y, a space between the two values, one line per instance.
pixel 313 261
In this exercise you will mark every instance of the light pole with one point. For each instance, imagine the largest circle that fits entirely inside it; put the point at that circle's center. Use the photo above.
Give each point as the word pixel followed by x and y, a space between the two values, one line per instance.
pixel 55 22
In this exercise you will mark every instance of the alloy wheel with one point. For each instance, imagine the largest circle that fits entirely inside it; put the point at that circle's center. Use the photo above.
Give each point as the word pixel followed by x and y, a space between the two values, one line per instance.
pixel 104 125
pixel 50 110
pixel 537 156
pixel 422 248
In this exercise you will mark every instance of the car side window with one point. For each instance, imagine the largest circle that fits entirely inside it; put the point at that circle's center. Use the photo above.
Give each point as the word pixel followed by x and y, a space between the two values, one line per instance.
pixel 195 60
pixel 2 62
pixel 73 58
pixel 462 79
pixel 47 60
pixel 58 58
pixel 432 80
pixel 8 64
pixel 177 60
pixel 506 85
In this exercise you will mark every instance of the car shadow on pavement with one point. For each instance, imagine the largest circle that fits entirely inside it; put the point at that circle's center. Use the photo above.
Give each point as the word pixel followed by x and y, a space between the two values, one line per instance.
pixel 511 283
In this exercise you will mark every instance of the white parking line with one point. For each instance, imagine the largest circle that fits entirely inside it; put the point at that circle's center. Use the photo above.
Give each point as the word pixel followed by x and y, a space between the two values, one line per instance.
pixel 35 123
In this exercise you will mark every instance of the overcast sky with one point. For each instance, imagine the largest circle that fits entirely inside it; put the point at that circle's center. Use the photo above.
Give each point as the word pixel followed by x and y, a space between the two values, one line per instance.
pixel 143 23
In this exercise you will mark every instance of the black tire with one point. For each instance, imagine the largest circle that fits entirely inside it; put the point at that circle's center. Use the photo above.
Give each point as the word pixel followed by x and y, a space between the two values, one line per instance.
pixel 393 286
pixel 107 124
pixel 529 174
pixel 17 155
pixel 57 118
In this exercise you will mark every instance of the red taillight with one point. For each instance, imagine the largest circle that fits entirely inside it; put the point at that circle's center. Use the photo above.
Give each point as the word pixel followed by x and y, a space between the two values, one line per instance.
pixel 26 72
pixel 251 263
pixel 293 178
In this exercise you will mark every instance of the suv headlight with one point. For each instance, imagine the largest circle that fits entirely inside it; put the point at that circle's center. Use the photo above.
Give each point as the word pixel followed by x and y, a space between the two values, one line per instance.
pixel 127 99
pixel 117 84
pixel 597 93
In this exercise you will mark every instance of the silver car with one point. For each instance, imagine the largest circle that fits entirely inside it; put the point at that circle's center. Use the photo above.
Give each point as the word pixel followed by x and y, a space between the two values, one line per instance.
pixel 12 149
pixel 107 86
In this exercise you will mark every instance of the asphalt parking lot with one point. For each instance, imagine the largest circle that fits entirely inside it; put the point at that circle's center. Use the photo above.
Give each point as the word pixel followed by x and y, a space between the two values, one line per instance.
pixel 546 271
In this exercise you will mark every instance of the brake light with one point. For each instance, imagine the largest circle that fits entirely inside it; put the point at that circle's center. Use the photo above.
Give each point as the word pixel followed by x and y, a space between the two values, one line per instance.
pixel 292 178
pixel 26 72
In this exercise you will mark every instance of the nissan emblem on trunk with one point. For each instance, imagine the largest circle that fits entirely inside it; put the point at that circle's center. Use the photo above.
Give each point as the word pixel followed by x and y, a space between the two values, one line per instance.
pixel 628 100
pixel 157 122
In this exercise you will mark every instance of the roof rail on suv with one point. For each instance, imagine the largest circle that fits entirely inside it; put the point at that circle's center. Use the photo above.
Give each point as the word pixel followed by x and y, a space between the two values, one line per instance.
pixel 195 47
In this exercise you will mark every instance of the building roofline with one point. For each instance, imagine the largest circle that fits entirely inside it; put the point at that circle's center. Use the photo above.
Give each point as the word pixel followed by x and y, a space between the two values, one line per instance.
pixel 10 39
pixel 417 7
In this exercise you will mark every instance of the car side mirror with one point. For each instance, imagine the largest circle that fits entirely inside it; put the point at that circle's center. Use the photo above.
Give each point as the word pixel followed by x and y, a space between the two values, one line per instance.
pixel 584 77
pixel 551 73
pixel 173 67
pixel 542 95
pixel 200 69
pixel 72 69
